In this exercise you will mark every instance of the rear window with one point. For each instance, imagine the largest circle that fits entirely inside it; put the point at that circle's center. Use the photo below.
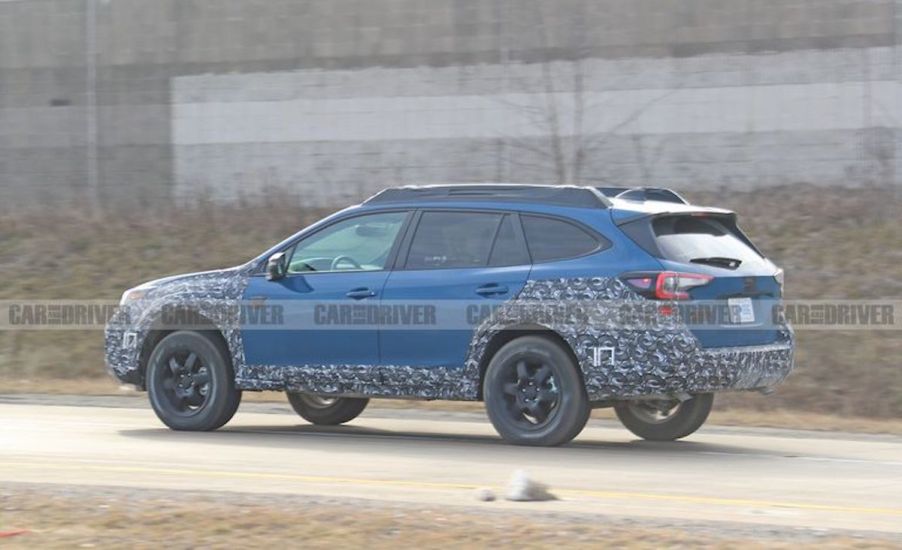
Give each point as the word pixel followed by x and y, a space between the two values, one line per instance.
pixel 551 239
pixel 689 239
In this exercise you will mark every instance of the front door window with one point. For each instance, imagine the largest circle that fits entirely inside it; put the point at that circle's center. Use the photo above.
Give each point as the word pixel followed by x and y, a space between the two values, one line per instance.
pixel 362 243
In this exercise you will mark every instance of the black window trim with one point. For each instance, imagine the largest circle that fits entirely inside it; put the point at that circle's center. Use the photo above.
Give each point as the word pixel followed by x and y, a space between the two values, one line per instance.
pixel 404 252
pixel 389 262
pixel 602 242
pixel 519 235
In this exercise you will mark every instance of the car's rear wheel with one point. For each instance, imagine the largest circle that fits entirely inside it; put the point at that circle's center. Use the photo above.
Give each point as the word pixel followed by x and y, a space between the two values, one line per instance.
pixel 190 382
pixel 534 394
pixel 665 419
pixel 326 411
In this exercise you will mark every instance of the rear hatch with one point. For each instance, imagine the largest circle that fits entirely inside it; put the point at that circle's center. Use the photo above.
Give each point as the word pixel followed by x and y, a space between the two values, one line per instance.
pixel 730 290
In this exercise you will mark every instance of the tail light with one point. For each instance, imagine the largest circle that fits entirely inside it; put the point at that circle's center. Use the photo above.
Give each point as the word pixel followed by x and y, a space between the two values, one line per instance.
pixel 667 285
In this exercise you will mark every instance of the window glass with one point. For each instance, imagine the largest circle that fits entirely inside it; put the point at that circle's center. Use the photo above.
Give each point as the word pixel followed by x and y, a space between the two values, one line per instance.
pixel 362 243
pixel 452 239
pixel 508 248
pixel 551 239
pixel 688 239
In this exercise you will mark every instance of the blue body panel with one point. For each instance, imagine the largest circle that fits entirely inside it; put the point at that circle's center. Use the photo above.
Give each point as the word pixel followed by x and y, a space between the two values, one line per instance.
pixel 451 292
pixel 447 287
pixel 307 342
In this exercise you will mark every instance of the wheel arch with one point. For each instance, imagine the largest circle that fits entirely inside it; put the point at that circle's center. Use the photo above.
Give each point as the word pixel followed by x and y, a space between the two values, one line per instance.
pixel 511 333
pixel 158 330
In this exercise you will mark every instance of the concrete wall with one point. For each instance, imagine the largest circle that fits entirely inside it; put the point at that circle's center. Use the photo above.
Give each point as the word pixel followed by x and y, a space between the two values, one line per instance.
pixel 150 102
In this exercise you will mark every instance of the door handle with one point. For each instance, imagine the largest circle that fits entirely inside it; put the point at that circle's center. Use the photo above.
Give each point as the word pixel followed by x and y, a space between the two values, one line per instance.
pixel 360 293
pixel 491 289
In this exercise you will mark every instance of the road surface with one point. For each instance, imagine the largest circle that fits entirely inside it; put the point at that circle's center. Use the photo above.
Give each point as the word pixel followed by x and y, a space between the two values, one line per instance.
pixel 751 476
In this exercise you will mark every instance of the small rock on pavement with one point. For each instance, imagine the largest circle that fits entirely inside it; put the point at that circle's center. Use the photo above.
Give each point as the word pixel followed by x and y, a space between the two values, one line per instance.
pixel 485 495
pixel 523 489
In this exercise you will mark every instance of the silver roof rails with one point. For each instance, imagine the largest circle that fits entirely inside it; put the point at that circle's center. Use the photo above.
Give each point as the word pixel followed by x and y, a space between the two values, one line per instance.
pixel 561 195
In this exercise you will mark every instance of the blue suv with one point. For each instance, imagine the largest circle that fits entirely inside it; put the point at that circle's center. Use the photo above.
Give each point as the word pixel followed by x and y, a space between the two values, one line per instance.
pixel 542 301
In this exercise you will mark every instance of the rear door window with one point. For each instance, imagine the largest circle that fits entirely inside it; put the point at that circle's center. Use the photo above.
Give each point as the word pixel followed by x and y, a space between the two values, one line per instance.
pixel 553 239
pixel 453 240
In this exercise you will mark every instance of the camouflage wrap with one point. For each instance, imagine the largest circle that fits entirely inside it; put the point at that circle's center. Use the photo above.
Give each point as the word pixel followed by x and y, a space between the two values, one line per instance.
pixel 660 358
pixel 204 293
pixel 363 380
pixel 666 359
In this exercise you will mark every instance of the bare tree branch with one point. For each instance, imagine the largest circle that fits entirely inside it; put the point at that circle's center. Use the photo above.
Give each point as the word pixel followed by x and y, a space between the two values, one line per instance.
pixel 569 148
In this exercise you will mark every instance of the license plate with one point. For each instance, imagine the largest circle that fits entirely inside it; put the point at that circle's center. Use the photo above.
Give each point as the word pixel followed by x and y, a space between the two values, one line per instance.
pixel 741 310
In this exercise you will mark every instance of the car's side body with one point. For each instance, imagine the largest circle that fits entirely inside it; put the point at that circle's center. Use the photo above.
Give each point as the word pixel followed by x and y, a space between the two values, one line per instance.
pixel 662 358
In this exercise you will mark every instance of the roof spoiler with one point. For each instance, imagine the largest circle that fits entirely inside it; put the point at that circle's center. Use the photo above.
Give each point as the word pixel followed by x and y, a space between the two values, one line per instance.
pixel 660 194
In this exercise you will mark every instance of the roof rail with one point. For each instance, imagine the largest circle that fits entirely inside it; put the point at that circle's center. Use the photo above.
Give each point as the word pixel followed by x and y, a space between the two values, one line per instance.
pixel 561 195
pixel 660 194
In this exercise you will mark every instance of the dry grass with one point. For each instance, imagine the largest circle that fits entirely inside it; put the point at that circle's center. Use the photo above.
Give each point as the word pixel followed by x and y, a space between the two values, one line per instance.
pixel 832 242
pixel 71 517
pixel 55 255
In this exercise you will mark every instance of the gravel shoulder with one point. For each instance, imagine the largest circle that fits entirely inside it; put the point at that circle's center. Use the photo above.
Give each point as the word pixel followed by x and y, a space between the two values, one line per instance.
pixel 62 516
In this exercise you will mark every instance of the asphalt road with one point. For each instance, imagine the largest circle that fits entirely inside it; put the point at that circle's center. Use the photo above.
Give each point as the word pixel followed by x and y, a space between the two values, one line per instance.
pixel 751 476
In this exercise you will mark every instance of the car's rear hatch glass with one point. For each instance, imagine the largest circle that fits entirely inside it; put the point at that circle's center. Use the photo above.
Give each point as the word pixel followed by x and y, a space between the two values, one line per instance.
pixel 742 277
pixel 702 240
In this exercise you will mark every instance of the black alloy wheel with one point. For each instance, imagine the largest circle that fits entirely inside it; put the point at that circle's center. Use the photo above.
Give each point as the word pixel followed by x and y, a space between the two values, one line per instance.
pixel 190 382
pixel 534 393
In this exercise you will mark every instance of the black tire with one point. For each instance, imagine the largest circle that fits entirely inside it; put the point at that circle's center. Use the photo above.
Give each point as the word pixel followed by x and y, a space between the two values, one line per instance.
pixel 324 411
pixel 683 420
pixel 190 382
pixel 534 393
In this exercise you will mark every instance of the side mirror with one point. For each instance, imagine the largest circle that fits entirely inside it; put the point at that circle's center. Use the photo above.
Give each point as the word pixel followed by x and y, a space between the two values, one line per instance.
pixel 276 266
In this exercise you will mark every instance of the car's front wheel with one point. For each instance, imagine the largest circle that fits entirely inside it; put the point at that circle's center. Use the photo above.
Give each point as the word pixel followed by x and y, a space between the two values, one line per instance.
pixel 534 394
pixel 326 411
pixel 190 382
pixel 663 419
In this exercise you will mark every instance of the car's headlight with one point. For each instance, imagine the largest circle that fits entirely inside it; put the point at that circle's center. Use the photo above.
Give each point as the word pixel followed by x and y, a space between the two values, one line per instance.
pixel 132 295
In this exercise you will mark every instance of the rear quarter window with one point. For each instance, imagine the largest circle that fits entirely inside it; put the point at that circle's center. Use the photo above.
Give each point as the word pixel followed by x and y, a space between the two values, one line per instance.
pixel 551 239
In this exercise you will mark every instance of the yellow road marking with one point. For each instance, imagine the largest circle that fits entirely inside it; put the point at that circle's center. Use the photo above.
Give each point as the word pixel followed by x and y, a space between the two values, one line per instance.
pixel 616 495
